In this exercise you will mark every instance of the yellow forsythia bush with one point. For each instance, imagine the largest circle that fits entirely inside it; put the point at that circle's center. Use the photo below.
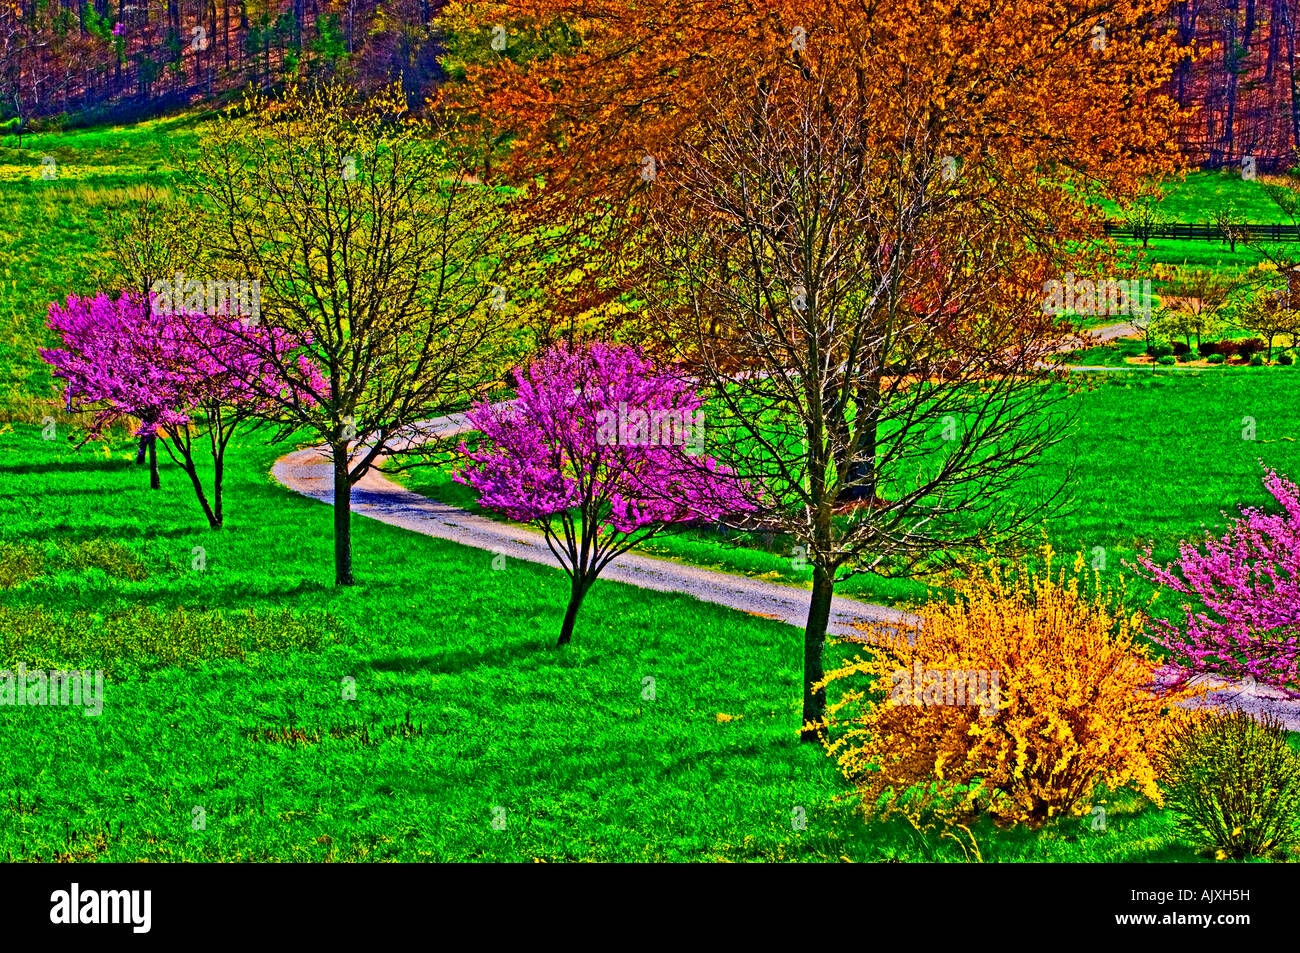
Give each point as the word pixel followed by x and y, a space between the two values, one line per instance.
pixel 1018 698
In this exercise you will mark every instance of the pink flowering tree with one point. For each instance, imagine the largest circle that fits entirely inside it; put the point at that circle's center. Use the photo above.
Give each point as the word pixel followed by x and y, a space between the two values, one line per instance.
pixel 106 366
pixel 601 450
pixel 188 376
pixel 1240 615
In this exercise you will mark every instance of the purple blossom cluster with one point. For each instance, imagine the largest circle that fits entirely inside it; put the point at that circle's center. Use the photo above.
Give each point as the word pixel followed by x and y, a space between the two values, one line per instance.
pixel 120 358
pixel 1240 617
pixel 547 451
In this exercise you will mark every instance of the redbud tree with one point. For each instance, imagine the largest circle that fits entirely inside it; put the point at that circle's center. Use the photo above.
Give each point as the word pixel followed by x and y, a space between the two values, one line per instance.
pixel 188 376
pixel 1240 612
pixel 601 450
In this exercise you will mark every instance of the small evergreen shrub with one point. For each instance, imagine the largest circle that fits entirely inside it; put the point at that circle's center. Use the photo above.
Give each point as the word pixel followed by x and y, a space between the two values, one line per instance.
pixel 1286 357
pixel 1234 783
pixel 1215 358
pixel 1167 360
pixel 1250 346
pixel 1257 361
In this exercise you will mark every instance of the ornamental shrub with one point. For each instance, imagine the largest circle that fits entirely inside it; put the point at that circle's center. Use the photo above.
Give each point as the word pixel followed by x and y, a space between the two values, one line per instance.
pixel 1018 699
pixel 1239 596
pixel 1234 783
pixel 1250 346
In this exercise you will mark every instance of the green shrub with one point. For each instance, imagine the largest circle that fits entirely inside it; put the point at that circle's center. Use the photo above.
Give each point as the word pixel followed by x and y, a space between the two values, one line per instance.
pixel 1250 346
pixel 1234 783
pixel 1215 359
pixel 1167 360
pixel 1286 357
pixel 1257 361
pixel 1161 350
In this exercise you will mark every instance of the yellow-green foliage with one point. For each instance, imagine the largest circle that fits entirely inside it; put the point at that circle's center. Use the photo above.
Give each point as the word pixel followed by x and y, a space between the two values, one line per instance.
pixel 22 562
pixel 1063 704
pixel 142 636
pixel 1234 783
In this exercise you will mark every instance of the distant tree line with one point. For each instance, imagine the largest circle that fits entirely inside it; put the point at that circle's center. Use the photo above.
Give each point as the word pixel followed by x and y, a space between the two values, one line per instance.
pixel 1243 80
pixel 112 58
pixel 118 58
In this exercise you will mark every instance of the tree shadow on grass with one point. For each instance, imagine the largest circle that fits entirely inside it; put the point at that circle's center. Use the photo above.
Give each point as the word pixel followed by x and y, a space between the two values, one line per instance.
pixel 59 493
pixel 456 661
pixel 125 531
pixel 72 466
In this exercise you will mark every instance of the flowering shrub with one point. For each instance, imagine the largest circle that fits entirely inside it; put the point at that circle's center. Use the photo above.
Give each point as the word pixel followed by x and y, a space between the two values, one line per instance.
pixel 1065 703
pixel 121 357
pixel 1240 617
pixel 169 369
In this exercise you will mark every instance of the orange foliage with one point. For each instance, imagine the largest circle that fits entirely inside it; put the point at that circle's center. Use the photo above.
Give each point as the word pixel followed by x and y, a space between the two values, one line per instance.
pixel 1030 95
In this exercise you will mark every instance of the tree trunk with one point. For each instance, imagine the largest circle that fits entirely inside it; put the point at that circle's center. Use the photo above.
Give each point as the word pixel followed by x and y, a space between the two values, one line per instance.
pixel 860 476
pixel 218 467
pixel 182 448
pixel 576 595
pixel 214 519
pixel 814 638
pixel 342 517
pixel 1292 77
pixel 154 482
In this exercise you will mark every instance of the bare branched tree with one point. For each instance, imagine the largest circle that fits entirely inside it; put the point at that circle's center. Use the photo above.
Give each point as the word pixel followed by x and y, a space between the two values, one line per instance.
pixel 871 328
pixel 371 244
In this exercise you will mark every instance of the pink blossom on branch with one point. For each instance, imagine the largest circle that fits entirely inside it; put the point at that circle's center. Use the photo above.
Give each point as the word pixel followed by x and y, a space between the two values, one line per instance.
pixel 601 450
pixel 123 358
pixel 1241 614
pixel 120 358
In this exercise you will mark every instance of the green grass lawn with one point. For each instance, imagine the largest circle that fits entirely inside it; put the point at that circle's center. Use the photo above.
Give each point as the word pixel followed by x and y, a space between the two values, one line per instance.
pixel 50 233
pixel 584 766
pixel 1194 198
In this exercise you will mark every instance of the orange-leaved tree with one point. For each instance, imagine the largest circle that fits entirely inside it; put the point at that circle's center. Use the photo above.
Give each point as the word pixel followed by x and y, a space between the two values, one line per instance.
pixel 587 104
pixel 861 203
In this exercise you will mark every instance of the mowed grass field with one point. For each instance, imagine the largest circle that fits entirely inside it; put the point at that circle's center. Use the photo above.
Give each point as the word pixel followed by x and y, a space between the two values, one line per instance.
pixel 51 230
pixel 464 713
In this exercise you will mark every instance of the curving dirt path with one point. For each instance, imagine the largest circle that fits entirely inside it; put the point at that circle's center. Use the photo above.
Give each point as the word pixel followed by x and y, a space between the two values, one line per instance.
pixel 309 473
